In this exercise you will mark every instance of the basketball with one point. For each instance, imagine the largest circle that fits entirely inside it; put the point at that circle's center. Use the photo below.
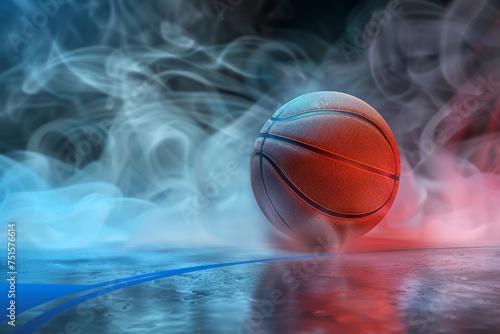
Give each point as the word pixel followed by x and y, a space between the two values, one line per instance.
pixel 325 167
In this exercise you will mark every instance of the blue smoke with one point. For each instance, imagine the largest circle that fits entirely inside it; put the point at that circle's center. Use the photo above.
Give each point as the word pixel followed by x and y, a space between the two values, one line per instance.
pixel 127 123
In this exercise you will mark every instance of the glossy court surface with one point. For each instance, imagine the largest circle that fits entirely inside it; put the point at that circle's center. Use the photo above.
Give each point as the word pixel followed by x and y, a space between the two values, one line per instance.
pixel 222 290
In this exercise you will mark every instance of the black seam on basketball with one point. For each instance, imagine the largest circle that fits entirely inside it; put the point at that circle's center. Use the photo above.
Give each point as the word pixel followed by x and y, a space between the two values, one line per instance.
pixel 338 158
pixel 264 184
pixel 269 198
pixel 330 111
pixel 312 203
pixel 336 111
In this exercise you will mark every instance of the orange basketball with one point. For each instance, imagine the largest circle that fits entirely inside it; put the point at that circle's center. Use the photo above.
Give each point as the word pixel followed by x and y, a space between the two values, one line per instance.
pixel 326 164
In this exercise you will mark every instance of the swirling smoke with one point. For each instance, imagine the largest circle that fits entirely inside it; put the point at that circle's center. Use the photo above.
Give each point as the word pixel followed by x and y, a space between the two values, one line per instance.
pixel 131 124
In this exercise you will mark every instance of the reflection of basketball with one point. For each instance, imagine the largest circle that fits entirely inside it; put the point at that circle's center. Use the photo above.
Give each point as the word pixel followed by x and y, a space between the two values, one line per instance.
pixel 325 165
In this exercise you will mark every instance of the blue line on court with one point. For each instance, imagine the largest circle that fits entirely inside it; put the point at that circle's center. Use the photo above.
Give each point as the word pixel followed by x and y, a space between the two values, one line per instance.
pixel 32 325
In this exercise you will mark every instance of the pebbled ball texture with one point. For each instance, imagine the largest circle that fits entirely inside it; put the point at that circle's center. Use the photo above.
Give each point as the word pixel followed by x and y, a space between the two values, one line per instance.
pixel 325 168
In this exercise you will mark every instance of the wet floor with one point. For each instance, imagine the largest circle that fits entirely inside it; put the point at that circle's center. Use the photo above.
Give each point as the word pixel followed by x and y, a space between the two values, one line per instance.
pixel 411 291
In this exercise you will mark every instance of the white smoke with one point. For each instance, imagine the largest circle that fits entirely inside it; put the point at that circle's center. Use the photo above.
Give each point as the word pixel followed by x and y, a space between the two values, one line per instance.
pixel 139 120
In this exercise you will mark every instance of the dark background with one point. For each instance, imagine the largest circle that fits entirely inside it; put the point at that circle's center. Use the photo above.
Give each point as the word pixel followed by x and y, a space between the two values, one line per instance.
pixel 79 24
